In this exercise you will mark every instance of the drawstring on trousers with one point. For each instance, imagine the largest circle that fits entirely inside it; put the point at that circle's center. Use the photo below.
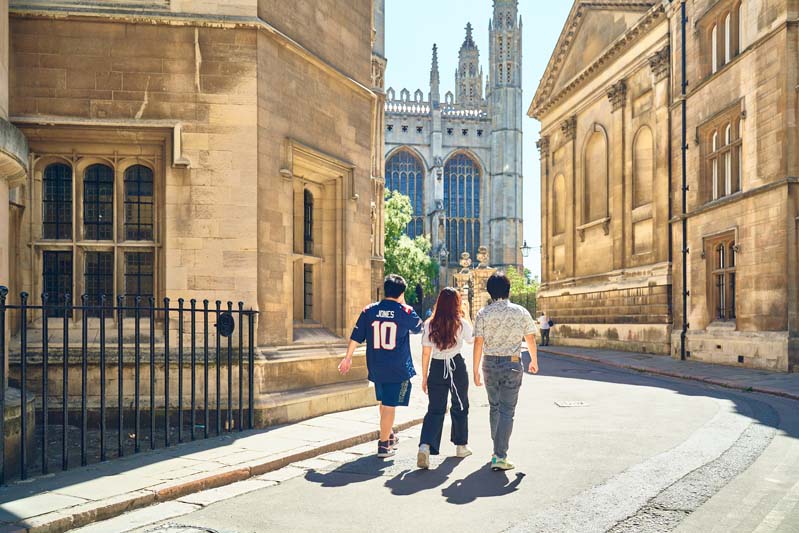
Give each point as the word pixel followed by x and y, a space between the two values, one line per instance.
pixel 449 372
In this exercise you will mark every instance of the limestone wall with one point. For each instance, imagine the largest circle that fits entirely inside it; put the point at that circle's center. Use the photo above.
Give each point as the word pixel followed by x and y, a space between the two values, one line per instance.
pixel 755 87
pixel 132 79
pixel 605 197
pixel 4 58
pixel 332 116
pixel 338 32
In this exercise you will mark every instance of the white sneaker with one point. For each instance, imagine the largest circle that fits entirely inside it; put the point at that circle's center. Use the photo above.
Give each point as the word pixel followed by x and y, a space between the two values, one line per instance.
pixel 462 451
pixel 423 457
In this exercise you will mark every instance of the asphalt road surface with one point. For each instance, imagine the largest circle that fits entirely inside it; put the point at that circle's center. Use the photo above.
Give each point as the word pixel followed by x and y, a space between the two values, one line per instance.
pixel 626 452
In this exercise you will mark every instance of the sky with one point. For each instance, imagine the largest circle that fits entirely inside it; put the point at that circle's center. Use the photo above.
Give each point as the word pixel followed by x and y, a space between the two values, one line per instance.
pixel 412 26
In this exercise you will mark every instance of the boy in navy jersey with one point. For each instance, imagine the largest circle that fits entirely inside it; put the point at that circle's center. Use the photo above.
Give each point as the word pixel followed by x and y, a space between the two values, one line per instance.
pixel 385 326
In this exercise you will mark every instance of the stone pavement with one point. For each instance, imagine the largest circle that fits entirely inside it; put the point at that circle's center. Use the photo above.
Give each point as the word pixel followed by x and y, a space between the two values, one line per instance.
pixel 746 379
pixel 66 500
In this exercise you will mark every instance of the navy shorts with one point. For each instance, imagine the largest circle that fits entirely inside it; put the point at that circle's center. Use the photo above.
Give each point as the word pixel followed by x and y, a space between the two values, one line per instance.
pixel 393 394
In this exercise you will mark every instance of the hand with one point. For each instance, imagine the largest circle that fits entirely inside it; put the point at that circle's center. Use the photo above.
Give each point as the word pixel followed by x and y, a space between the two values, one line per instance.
pixel 478 382
pixel 345 365
pixel 533 368
pixel 424 385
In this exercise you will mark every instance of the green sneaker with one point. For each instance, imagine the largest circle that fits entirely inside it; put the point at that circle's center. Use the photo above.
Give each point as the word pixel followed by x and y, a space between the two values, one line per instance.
pixel 498 464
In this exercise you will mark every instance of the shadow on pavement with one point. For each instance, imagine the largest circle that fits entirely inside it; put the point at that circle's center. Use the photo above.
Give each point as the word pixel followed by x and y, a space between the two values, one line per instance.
pixel 760 407
pixel 410 482
pixel 483 483
pixel 363 469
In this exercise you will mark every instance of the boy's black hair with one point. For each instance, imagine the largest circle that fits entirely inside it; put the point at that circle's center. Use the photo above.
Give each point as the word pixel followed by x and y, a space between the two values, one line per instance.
pixel 498 286
pixel 394 286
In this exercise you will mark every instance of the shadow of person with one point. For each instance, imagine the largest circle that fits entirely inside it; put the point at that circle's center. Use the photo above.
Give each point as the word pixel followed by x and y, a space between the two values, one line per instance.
pixel 483 483
pixel 364 468
pixel 410 482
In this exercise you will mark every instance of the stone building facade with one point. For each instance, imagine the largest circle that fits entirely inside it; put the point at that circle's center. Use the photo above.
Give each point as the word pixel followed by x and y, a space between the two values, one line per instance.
pixel 222 150
pixel 740 191
pixel 460 159
pixel 603 104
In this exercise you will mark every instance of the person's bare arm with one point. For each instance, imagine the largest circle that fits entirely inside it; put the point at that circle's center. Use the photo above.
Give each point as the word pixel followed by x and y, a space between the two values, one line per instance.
pixel 478 355
pixel 426 352
pixel 533 349
pixel 346 363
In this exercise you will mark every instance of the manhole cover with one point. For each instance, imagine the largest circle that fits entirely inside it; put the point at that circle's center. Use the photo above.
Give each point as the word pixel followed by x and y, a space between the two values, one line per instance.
pixel 571 403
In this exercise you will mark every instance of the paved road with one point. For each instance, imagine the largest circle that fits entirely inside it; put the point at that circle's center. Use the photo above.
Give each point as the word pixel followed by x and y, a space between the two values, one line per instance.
pixel 643 454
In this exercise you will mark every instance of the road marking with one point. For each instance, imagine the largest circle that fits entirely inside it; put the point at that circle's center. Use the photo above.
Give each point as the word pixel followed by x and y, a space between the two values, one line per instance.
pixel 604 506
pixel 780 512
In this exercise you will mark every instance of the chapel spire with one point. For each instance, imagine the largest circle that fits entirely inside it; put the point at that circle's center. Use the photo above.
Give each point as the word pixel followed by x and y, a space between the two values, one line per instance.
pixel 469 75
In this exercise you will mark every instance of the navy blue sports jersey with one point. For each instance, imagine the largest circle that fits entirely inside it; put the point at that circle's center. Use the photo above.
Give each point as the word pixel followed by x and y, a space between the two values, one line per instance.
pixel 385 326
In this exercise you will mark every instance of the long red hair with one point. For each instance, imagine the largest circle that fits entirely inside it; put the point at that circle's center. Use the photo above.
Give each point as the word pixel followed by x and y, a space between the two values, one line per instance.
pixel 446 319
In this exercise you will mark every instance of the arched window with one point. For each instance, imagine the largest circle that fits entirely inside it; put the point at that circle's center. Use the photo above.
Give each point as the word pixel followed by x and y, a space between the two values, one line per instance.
pixel 307 222
pixel 722 270
pixel 98 203
pixel 595 191
pixel 139 203
pixel 728 160
pixel 643 167
pixel 715 164
pixel 714 49
pixel 57 202
pixel 462 205
pixel 405 174
pixel 727 38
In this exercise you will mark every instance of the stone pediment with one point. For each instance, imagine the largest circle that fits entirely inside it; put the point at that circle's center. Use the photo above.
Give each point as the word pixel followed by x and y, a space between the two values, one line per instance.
pixel 593 30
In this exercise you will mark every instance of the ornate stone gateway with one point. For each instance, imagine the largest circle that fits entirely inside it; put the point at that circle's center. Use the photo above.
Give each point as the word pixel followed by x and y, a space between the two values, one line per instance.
pixel 471 282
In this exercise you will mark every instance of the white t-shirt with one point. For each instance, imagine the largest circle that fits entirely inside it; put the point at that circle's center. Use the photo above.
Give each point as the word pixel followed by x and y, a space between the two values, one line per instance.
pixel 464 334
pixel 543 322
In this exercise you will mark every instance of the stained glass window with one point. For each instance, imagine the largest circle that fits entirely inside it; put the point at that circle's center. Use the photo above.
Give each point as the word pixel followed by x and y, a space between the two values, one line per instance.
pixel 405 174
pixel 462 205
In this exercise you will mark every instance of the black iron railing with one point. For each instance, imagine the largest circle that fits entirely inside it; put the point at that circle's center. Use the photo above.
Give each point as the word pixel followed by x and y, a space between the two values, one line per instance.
pixel 101 416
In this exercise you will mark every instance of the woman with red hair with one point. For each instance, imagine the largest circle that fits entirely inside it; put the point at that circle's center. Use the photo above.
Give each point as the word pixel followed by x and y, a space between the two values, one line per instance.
pixel 444 335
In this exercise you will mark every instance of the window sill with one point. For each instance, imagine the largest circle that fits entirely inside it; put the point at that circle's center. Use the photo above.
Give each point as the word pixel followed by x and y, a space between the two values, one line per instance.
pixel 604 222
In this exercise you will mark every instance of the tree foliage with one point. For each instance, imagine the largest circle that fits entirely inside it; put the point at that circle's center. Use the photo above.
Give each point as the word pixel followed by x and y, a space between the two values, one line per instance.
pixel 522 285
pixel 410 258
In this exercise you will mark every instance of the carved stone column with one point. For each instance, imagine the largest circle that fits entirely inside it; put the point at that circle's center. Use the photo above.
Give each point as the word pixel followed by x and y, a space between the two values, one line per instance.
pixel 568 130
pixel 546 203
pixel 617 94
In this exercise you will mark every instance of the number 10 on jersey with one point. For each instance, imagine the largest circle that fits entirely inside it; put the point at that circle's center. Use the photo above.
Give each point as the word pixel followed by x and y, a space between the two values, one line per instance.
pixel 384 335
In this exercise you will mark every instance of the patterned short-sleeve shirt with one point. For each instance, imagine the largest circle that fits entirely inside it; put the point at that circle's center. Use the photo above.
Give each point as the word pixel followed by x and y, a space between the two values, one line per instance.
pixel 503 326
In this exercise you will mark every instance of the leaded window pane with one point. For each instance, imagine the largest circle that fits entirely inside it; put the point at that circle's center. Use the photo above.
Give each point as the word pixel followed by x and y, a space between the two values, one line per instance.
pixel 57 280
pixel 404 174
pixel 98 203
pixel 308 222
pixel 139 203
pixel 99 280
pixel 462 200
pixel 57 202
pixel 139 268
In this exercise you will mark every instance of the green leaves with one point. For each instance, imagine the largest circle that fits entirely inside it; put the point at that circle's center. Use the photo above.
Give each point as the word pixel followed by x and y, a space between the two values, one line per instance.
pixel 410 258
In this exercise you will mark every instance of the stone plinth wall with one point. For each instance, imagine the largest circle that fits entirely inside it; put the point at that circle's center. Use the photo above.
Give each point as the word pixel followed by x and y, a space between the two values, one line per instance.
pixel 641 305
pixel 271 377
pixel 12 415
pixel 634 319
pixel 765 350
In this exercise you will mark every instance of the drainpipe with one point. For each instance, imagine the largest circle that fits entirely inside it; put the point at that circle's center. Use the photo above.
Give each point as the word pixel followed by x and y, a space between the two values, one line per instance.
pixel 684 148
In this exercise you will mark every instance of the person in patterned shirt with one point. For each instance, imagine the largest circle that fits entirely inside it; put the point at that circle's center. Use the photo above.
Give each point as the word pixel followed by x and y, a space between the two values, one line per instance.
pixel 499 330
